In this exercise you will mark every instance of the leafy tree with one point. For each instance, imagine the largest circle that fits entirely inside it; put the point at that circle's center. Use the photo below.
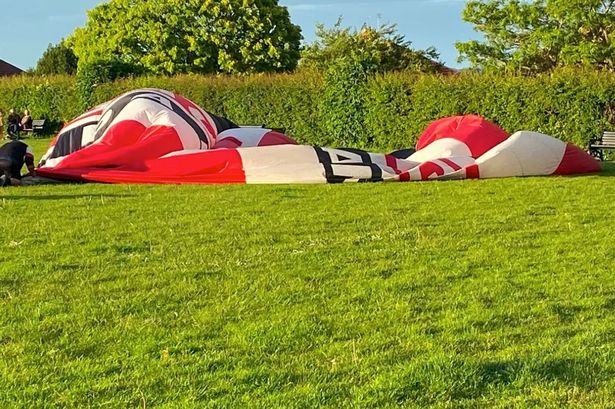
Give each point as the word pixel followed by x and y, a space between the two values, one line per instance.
pixel 537 36
pixel 383 48
pixel 200 36
pixel 349 58
pixel 57 59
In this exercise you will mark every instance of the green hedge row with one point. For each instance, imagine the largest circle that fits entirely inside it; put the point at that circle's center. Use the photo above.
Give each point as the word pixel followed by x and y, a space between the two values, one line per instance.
pixel 395 108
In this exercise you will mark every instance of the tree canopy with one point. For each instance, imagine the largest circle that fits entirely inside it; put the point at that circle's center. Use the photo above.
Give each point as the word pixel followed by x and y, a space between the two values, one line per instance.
pixel 182 36
pixel 382 47
pixel 537 36
pixel 57 59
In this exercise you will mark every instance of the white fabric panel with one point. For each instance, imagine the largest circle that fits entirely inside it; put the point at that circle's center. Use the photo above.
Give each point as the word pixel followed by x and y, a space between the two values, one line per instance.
pixel 248 136
pixel 415 174
pixel 281 164
pixel 442 148
pixel 522 154
pixel 88 133
pixel 405 164
pixel 356 172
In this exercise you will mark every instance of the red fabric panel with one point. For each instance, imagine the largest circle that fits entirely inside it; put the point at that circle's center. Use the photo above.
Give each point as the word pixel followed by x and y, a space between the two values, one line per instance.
pixel 476 132
pixel 276 138
pixel 429 168
pixel 472 172
pixel 576 161
pixel 210 166
pixel 392 163
pixel 123 133
pixel 127 143
pixel 228 142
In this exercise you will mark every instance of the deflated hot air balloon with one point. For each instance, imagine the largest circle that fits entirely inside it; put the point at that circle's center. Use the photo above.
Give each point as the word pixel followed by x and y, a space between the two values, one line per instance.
pixel 155 136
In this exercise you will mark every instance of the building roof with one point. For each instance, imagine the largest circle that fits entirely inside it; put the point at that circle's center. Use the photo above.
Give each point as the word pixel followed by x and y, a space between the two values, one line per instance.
pixel 7 69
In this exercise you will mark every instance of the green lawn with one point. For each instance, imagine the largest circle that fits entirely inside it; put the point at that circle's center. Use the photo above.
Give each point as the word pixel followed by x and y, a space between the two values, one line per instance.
pixel 495 293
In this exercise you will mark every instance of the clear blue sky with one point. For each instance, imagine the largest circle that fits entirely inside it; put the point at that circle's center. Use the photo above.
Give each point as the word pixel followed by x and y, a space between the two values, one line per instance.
pixel 438 23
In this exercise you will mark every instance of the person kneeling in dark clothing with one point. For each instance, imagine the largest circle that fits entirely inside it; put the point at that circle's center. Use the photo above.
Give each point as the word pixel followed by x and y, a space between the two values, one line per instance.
pixel 13 156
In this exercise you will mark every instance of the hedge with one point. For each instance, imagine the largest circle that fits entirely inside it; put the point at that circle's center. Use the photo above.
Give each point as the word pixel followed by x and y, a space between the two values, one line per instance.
pixel 394 108
pixel 53 98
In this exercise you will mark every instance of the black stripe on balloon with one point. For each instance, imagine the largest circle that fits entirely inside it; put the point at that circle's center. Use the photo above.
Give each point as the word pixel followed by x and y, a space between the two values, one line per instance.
pixel 325 159
pixel 376 175
pixel 403 153
pixel 366 159
pixel 222 124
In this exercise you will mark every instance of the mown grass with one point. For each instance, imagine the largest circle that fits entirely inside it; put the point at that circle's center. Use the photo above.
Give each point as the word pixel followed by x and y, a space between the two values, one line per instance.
pixel 495 293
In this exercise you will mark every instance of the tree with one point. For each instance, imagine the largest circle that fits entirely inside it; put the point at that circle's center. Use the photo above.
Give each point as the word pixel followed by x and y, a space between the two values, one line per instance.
pixel 200 36
pixel 382 47
pixel 57 59
pixel 537 36
pixel 349 58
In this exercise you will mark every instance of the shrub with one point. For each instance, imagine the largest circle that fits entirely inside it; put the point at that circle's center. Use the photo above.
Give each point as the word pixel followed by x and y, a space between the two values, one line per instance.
pixel 381 112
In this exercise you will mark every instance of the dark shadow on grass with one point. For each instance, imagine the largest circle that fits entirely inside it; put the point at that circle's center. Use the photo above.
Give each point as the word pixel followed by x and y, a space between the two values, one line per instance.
pixel 9 287
pixel 463 380
pixel 571 372
pixel 608 169
pixel 64 197
pixel 498 373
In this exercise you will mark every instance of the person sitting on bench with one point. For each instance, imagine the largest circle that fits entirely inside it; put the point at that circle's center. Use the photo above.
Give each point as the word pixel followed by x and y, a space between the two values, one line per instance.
pixel 13 155
pixel 26 121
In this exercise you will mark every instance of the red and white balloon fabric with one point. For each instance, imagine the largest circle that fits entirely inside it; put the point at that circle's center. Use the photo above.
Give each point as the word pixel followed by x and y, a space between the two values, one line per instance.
pixel 155 136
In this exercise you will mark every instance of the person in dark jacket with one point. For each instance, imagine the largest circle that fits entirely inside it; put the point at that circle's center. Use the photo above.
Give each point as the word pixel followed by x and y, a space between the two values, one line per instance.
pixel 13 155
pixel 14 123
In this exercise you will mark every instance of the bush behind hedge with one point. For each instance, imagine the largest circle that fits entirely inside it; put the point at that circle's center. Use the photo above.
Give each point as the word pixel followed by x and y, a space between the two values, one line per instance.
pixel 571 105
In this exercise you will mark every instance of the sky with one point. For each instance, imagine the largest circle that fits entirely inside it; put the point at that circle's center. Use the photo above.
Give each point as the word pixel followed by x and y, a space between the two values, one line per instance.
pixel 438 23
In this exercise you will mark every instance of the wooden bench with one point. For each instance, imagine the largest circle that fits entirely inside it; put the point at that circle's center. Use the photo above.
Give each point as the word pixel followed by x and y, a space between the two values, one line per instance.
pixel 597 146
pixel 38 126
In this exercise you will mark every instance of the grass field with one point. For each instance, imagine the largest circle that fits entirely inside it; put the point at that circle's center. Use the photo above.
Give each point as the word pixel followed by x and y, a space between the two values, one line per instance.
pixel 495 293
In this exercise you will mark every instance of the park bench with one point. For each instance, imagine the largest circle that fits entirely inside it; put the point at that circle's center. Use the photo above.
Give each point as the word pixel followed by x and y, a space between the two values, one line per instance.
pixel 597 146
pixel 38 125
